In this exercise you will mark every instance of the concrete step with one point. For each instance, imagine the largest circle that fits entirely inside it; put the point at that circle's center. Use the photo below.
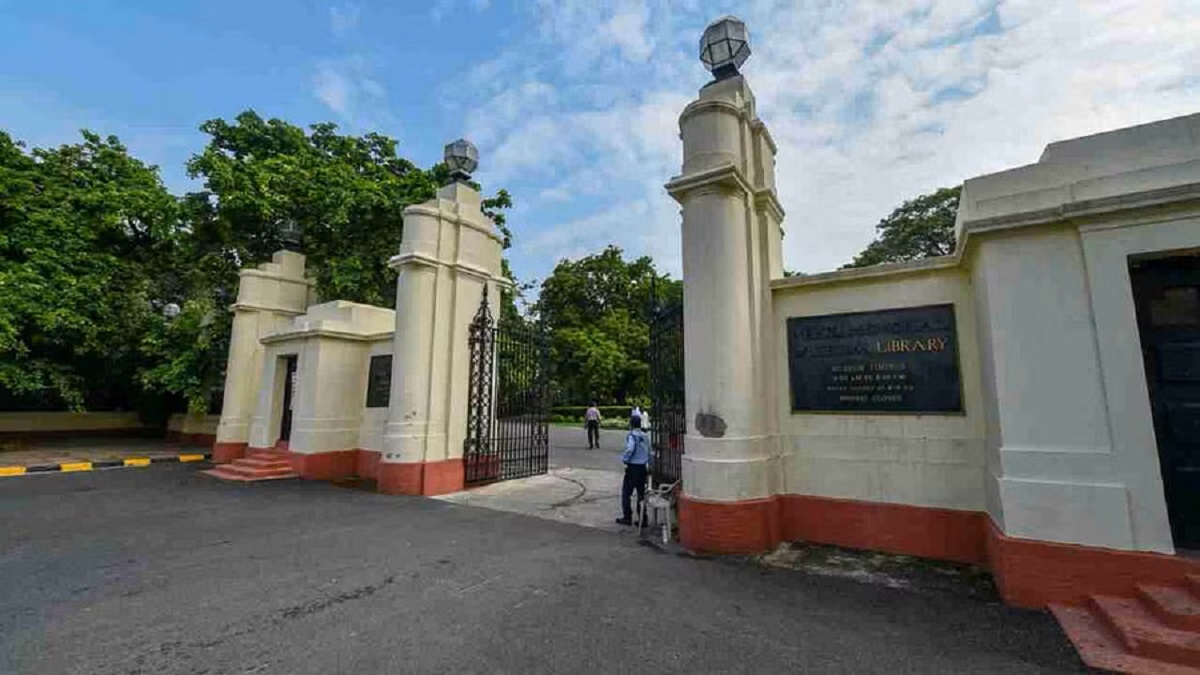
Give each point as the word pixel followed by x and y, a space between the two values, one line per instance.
pixel 262 462
pixel 1144 634
pixel 236 473
pixel 1101 649
pixel 268 454
pixel 1174 606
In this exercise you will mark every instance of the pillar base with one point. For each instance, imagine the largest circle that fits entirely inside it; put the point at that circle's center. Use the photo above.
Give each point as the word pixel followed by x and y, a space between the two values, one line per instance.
pixel 420 478
pixel 742 527
pixel 227 451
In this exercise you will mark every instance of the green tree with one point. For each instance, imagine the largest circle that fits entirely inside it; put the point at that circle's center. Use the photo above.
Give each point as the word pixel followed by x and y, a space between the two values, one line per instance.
pixel 598 311
pixel 347 193
pixel 87 233
pixel 93 248
pixel 922 227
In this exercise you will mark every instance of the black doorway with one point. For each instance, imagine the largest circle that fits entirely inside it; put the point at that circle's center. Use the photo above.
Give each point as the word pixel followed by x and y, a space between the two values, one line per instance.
pixel 1167 294
pixel 289 388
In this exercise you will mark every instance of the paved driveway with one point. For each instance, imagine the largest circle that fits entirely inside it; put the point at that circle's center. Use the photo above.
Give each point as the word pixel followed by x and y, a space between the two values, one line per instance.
pixel 168 571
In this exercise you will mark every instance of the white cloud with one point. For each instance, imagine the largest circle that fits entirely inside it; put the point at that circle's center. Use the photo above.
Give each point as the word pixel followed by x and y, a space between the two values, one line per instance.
pixel 347 87
pixel 871 102
pixel 343 20
pixel 440 9
pixel 334 88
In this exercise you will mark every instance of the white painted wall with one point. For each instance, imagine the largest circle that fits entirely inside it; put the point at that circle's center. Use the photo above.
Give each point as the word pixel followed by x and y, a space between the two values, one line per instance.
pixel 924 460
pixel 374 420
pixel 333 343
pixel 1058 479
pixel 1048 246
pixel 1107 250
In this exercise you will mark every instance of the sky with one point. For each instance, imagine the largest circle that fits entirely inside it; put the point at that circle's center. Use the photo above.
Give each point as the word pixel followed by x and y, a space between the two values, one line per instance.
pixel 574 104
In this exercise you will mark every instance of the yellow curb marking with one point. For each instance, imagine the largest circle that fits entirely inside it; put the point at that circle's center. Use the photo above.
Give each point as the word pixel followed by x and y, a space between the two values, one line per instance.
pixel 191 458
pixel 136 461
pixel 12 471
pixel 75 466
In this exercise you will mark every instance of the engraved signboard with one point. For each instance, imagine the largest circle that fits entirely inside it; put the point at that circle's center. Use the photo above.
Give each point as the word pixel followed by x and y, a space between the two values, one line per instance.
pixel 379 381
pixel 895 360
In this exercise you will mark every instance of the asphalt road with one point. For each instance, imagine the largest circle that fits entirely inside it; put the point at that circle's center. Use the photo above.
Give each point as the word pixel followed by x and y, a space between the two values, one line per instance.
pixel 162 570
pixel 568 447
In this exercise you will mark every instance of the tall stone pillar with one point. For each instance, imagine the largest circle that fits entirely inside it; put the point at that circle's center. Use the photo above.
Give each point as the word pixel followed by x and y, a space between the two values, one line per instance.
pixel 450 251
pixel 731 250
pixel 268 297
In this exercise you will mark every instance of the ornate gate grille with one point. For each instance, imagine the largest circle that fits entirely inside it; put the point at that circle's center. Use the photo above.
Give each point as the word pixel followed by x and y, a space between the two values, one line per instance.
pixel 508 433
pixel 666 392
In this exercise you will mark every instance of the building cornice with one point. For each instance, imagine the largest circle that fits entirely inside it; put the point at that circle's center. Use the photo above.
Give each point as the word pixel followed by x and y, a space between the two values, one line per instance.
pixel 726 176
pixel 252 307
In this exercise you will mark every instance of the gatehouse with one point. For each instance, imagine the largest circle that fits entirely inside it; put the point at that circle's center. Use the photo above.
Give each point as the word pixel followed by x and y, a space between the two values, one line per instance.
pixel 1029 403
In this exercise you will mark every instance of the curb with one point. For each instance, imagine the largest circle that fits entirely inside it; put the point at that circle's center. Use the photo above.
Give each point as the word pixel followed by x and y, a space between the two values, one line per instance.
pixel 71 467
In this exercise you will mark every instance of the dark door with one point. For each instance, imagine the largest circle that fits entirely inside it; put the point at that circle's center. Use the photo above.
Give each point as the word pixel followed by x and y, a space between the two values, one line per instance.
pixel 289 389
pixel 1167 293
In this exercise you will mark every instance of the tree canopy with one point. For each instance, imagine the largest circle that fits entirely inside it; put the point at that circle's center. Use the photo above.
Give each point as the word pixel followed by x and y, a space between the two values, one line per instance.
pixel 922 227
pixel 598 310
pixel 87 234
pixel 93 247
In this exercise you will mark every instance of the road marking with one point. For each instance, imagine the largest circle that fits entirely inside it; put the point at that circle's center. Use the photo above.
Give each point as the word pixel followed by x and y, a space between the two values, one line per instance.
pixel 12 471
pixel 191 458
pixel 75 466
pixel 137 461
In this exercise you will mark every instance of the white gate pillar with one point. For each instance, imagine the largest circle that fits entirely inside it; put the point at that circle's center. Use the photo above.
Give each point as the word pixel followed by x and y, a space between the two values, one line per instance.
pixel 269 296
pixel 449 251
pixel 731 250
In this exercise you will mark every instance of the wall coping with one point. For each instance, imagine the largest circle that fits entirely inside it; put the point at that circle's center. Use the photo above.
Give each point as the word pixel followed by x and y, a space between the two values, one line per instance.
pixel 332 334
pixel 875 272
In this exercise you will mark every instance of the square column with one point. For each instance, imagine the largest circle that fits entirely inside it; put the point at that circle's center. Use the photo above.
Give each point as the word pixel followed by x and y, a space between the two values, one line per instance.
pixel 449 253
pixel 269 296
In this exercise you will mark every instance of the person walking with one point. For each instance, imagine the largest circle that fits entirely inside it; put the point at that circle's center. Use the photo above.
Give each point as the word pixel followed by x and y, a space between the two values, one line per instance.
pixel 636 456
pixel 592 421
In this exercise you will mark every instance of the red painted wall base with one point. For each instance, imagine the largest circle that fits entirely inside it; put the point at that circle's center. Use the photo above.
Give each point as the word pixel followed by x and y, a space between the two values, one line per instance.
pixel 1028 573
pixel 420 478
pixel 223 453
pixel 1032 573
pixel 410 478
pixel 744 527
pixel 925 532
pixel 325 465
pixel 202 440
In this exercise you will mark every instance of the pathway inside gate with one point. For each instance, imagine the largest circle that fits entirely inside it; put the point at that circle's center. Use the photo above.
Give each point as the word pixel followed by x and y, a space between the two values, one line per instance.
pixel 582 487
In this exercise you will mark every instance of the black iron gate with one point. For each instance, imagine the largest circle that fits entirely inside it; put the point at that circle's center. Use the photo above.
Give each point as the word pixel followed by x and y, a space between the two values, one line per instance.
pixel 667 415
pixel 508 413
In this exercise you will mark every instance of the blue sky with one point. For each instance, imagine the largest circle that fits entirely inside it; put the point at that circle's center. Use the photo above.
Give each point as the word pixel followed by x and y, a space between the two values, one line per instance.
pixel 574 103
